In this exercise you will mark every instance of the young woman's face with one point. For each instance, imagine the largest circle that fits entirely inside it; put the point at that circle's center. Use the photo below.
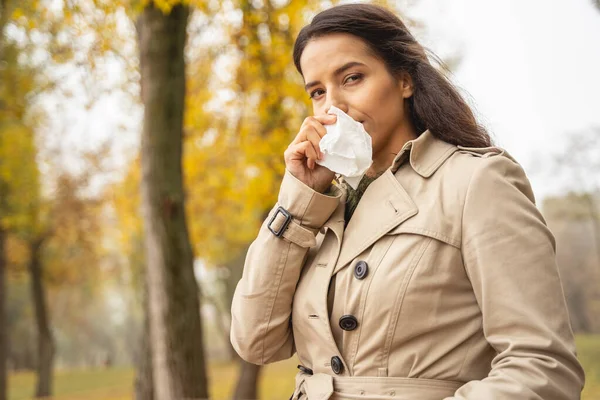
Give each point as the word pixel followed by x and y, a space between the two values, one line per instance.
pixel 339 70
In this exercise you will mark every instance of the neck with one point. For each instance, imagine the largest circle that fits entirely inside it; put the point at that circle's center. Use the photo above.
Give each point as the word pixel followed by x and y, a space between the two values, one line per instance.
pixel 383 159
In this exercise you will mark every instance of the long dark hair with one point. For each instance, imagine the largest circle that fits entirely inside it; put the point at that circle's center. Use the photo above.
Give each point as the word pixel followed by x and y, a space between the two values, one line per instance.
pixel 435 104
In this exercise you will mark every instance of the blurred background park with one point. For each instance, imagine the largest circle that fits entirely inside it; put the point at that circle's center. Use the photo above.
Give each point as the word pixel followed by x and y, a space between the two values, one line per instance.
pixel 92 140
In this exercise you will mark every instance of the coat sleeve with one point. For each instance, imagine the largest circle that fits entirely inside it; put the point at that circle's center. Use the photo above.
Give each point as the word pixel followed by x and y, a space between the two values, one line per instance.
pixel 261 310
pixel 509 256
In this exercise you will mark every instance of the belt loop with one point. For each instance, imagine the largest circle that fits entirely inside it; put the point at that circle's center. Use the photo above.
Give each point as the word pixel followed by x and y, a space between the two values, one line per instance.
pixel 382 372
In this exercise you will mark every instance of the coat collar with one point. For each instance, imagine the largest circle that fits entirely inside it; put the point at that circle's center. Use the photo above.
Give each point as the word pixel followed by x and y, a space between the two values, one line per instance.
pixel 386 203
pixel 426 154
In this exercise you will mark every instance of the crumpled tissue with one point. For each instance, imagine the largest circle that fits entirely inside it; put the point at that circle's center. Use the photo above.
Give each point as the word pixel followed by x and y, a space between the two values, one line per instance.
pixel 347 148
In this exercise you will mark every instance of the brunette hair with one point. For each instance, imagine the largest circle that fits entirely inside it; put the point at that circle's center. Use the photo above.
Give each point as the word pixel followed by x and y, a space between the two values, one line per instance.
pixel 435 104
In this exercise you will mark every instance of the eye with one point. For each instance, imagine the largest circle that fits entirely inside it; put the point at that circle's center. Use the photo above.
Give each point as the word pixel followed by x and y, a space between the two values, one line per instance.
pixel 314 93
pixel 350 79
pixel 354 78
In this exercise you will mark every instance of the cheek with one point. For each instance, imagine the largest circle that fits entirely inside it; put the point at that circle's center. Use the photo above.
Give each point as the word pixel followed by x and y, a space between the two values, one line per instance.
pixel 385 110
pixel 384 103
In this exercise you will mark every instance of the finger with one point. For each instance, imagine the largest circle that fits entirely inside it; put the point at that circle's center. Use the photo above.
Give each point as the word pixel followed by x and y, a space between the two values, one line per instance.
pixel 325 118
pixel 301 136
pixel 307 131
pixel 319 119
pixel 295 152
pixel 315 122
pixel 318 127
pixel 310 151
pixel 314 138
pixel 301 151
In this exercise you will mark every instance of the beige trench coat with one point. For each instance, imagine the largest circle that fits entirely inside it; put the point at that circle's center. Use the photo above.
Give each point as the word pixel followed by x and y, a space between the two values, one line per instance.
pixel 444 285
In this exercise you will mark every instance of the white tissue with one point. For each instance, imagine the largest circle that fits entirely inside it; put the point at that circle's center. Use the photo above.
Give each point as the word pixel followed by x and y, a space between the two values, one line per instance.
pixel 347 148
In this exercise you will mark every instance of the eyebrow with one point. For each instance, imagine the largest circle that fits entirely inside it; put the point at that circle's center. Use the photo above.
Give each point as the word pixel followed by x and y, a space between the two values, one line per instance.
pixel 336 72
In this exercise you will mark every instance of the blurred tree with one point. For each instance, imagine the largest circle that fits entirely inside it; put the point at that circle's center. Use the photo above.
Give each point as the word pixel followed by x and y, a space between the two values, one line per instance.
pixel 64 249
pixel 573 226
pixel 576 172
pixel 18 169
pixel 236 129
pixel 126 202
pixel 3 330
pixel 32 38
pixel 575 220
pixel 175 324
pixel 242 141
pixel 59 235
pixel 3 209
pixel 21 352
pixel 45 340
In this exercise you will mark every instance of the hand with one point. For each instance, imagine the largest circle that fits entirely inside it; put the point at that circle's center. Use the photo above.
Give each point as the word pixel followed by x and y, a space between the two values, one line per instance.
pixel 302 154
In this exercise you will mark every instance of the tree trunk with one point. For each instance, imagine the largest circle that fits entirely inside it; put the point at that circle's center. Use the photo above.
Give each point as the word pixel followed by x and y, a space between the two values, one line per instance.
pixel 45 341
pixel 590 200
pixel 222 325
pixel 247 386
pixel 578 310
pixel 3 332
pixel 175 326
pixel 143 380
pixel 235 268
pixel 4 10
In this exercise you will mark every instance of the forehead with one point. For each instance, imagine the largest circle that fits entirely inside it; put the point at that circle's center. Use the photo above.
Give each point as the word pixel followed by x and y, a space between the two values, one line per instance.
pixel 324 54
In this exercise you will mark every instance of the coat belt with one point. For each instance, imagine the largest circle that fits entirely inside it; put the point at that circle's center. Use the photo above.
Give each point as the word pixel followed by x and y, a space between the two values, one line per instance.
pixel 323 386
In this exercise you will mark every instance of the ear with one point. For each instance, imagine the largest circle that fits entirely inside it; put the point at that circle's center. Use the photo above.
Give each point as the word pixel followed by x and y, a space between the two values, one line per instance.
pixel 405 85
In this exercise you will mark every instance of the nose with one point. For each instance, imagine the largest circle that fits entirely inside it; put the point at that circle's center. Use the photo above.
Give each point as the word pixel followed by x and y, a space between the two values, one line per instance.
pixel 335 99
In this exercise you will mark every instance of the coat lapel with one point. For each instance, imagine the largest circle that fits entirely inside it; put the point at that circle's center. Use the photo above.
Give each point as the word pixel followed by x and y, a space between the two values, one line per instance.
pixel 384 205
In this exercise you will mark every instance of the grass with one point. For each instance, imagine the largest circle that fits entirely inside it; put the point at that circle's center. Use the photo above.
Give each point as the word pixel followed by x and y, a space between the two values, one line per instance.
pixel 277 380
pixel 90 384
pixel 588 352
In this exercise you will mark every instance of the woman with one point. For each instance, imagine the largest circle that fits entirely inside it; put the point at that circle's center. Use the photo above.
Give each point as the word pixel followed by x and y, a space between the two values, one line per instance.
pixel 434 279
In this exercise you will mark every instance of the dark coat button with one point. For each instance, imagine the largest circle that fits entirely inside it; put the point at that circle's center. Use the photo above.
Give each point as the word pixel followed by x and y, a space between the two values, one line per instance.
pixel 305 370
pixel 361 269
pixel 336 365
pixel 348 322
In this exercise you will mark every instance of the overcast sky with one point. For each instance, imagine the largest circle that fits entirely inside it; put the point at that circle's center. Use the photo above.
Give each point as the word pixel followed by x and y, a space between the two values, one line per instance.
pixel 531 68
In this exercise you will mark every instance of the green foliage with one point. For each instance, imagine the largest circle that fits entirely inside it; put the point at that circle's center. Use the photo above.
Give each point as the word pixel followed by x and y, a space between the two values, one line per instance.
pixel 244 104
pixel 19 177
pixel 234 152
pixel 234 155
pixel 49 210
